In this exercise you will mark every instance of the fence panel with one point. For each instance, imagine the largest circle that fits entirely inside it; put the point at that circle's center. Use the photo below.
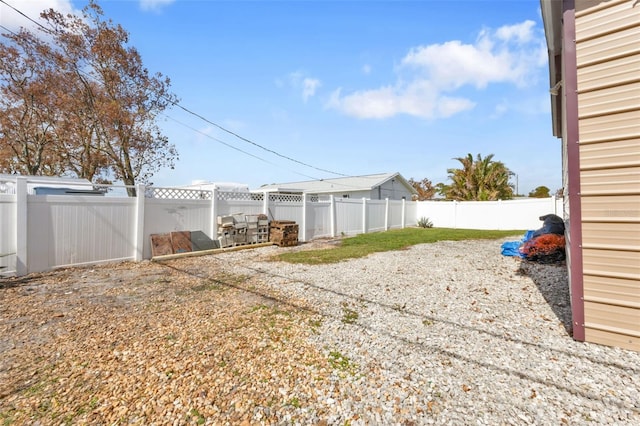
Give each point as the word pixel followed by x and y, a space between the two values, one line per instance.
pixel 500 215
pixel 411 213
pixel 348 216
pixel 285 207
pixel 441 213
pixel 318 220
pixel 228 203
pixel 395 215
pixel 376 215
pixel 162 216
pixel 66 230
pixel 7 234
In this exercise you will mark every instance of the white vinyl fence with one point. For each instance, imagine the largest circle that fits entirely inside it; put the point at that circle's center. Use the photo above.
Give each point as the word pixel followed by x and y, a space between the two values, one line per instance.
pixel 43 232
pixel 523 214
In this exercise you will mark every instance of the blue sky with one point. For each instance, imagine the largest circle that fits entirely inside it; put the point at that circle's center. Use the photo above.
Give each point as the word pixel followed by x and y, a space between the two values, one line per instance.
pixel 351 87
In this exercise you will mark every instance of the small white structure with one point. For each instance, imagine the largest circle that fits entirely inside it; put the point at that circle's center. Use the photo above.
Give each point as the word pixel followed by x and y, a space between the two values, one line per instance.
pixel 48 185
pixel 205 185
pixel 380 186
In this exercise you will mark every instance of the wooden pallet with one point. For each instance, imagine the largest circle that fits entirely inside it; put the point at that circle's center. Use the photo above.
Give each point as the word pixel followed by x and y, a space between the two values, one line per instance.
pixel 283 233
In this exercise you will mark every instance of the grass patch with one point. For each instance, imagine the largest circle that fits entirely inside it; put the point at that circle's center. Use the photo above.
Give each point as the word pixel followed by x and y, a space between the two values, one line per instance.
pixel 397 239
pixel 349 316
pixel 341 363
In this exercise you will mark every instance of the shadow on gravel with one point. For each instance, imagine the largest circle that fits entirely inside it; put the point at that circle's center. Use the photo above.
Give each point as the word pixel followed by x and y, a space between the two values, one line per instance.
pixel 12 282
pixel 553 283
pixel 554 291
pixel 537 272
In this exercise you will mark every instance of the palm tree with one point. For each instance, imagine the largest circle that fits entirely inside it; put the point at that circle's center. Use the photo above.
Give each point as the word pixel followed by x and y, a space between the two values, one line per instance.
pixel 481 179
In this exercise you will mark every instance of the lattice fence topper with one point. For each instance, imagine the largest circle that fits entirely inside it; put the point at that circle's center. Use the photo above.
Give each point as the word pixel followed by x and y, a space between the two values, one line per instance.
pixel 177 193
pixel 286 198
pixel 242 196
pixel 7 187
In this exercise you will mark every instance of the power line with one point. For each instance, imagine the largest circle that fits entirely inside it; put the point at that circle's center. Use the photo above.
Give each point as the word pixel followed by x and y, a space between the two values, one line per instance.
pixel 24 15
pixel 187 110
pixel 253 143
pixel 233 147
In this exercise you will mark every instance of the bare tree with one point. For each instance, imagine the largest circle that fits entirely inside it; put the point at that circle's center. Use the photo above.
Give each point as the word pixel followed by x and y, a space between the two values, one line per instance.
pixel 104 124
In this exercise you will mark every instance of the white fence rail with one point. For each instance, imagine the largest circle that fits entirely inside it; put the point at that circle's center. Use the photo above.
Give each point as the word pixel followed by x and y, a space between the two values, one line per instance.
pixel 42 232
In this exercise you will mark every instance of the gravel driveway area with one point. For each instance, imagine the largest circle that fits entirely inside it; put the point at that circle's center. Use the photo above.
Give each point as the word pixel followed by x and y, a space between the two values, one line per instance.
pixel 444 333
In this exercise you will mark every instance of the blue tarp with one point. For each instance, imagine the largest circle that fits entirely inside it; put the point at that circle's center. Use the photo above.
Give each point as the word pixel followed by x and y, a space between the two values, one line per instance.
pixel 512 248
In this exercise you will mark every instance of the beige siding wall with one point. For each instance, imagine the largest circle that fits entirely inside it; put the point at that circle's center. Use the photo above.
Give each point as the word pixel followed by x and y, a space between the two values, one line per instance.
pixel 608 58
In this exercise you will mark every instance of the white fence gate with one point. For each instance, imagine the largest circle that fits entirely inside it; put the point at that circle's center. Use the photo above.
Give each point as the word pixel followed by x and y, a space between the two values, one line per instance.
pixel 42 232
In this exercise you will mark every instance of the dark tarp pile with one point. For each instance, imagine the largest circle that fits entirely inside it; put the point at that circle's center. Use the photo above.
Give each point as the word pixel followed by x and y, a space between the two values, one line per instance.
pixel 545 245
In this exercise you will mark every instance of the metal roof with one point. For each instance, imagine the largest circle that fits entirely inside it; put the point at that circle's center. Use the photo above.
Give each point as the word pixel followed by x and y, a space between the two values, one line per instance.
pixel 343 184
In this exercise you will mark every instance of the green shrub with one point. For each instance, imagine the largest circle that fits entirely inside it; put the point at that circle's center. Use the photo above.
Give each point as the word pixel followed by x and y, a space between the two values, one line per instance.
pixel 424 222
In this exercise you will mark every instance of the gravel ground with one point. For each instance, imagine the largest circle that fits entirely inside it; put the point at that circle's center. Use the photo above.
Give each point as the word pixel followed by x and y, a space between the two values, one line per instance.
pixel 445 333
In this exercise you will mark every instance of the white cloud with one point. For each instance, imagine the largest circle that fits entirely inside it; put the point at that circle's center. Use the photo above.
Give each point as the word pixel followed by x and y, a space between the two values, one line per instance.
pixel 12 20
pixel 419 99
pixel 366 69
pixel 154 5
pixel 429 75
pixel 453 64
pixel 309 87
pixel 522 33
pixel 298 81
pixel 507 56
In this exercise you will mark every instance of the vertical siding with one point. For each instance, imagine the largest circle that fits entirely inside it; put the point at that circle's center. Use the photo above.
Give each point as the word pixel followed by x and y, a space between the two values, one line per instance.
pixel 608 70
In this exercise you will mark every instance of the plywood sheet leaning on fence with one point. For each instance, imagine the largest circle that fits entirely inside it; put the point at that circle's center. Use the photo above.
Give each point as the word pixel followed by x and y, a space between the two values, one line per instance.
pixel 181 241
pixel 161 245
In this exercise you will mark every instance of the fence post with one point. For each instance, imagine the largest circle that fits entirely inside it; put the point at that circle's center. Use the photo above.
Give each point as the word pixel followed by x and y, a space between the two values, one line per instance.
pixel 139 221
pixel 22 249
pixel 265 204
pixel 553 203
pixel 214 213
pixel 332 215
pixel 386 214
pixel 404 213
pixel 455 214
pixel 364 215
pixel 303 225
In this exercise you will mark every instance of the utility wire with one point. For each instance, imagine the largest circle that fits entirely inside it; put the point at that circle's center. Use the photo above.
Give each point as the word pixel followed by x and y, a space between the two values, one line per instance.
pixel 187 110
pixel 253 143
pixel 255 156
pixel 231 146
pixel 24 15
